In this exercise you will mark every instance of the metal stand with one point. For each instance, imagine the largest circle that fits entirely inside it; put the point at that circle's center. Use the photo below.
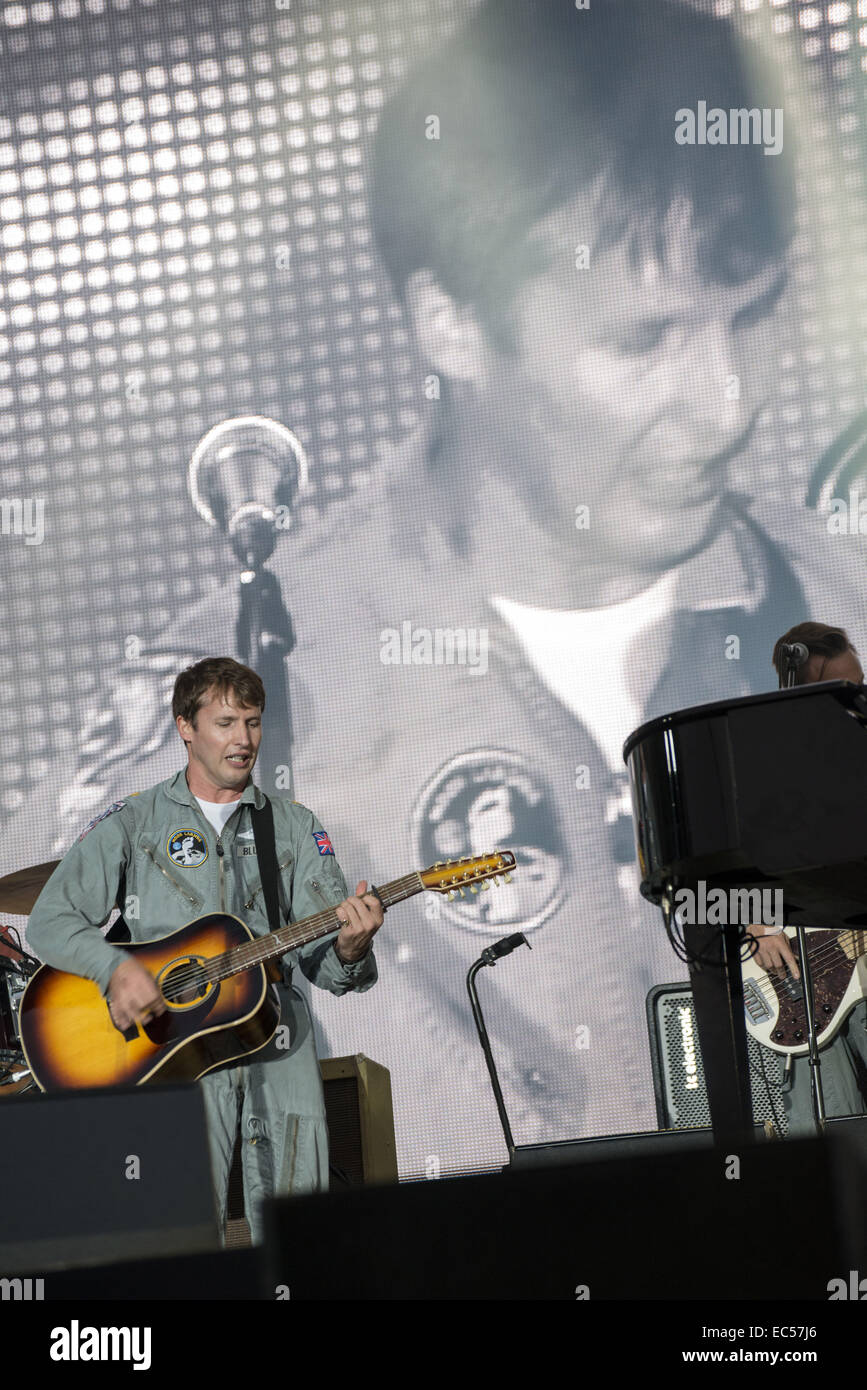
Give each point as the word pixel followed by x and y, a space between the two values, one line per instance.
pixel 264 637
pixel 817 1097
pixel 490 956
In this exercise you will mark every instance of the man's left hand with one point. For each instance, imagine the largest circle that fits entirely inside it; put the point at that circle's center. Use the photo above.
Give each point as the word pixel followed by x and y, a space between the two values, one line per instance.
pixel 360 918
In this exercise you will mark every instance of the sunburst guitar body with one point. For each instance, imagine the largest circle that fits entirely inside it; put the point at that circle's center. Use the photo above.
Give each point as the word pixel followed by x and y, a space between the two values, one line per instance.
pixel 69 1038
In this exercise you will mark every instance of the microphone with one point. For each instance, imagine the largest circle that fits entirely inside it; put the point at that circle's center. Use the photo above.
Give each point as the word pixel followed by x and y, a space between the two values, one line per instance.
pixel 504 947
pixel 795 653
pixel 244 477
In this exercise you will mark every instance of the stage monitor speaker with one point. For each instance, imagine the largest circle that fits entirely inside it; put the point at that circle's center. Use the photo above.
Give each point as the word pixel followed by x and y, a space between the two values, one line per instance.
pixel 695 1224
pixel 361 1141
pixel 358 1107
pixel 104 1174
pixel 650 1144
pixel 678 1070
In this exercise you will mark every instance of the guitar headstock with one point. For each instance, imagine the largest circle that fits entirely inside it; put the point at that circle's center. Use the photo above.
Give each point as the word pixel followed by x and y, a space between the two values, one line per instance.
pixel 454 875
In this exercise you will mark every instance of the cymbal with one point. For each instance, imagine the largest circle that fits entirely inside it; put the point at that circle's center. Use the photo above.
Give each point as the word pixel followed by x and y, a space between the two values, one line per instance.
pixel 19 891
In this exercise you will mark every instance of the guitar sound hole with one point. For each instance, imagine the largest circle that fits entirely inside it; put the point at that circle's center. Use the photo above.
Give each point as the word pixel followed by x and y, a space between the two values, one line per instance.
pixel 185 983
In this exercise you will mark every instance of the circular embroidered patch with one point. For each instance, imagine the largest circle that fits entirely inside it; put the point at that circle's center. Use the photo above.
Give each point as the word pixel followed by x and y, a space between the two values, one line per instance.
pixel 187 848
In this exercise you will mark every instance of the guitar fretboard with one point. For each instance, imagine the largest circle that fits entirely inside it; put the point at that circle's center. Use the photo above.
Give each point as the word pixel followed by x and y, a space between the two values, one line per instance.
pixel 853 942
pixel 266 948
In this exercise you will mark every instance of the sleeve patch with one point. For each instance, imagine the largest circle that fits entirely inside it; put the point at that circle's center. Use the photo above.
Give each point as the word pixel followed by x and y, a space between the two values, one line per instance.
pixel 322 842
pixel 115 806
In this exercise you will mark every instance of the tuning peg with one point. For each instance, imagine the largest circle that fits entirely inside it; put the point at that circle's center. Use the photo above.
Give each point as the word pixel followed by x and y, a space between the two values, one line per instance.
pixel 485 884
pixel 449 896
pixel 508 878
pixel 496 880
pixel 474 888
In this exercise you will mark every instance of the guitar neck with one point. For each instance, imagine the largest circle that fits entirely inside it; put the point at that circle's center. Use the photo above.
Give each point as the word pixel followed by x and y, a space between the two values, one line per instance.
pixel 277 943
pixel 854 942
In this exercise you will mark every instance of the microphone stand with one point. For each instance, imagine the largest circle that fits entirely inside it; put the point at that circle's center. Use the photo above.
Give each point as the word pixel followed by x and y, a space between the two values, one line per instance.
pixel 817 1095
pixel 264 637
pixel 490 956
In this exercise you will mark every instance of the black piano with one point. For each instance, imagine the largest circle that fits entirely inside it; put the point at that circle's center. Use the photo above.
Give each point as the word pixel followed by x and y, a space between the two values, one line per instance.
pixel 767 792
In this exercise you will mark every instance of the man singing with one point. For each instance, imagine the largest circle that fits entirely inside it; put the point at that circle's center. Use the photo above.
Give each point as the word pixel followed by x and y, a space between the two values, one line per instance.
pixel 185 848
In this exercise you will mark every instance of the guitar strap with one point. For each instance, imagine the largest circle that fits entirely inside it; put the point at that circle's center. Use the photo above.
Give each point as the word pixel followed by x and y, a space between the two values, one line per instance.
pixel 266 856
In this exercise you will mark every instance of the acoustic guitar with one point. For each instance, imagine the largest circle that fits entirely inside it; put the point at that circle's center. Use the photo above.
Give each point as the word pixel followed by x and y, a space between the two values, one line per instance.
pixel 211 974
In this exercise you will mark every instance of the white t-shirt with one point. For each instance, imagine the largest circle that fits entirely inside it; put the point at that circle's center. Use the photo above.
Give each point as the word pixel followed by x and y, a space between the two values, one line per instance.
pixel 217 812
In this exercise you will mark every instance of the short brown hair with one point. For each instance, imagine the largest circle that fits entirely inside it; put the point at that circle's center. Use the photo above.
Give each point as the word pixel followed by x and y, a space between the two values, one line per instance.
pixel 218 674
pixel 820 640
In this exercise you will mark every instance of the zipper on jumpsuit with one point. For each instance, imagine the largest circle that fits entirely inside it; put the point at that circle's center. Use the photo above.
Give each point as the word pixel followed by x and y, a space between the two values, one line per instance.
pixel 316 886
pixel 221 879
pixel 317 889
pixel 281 865
pixel 148 849
pixel 292 1138
pixel 220 853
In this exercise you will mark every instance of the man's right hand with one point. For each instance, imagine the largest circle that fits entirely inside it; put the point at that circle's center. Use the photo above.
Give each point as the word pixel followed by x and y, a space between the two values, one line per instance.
pixel 775 952
pixel 133 996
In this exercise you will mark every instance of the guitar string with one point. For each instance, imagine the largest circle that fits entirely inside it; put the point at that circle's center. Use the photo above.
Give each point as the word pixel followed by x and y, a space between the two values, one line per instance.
pixel 317 926
pixel 823 951
pixel 187 977
pixel 248 955
pixel 191 975
pixel 766 986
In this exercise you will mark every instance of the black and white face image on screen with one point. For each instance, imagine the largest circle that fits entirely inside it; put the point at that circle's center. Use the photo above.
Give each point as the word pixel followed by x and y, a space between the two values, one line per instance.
pixel 477 372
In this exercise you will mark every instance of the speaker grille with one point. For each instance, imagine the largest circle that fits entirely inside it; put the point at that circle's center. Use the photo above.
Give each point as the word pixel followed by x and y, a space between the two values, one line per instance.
pixel 678 1070
pixel 344 1129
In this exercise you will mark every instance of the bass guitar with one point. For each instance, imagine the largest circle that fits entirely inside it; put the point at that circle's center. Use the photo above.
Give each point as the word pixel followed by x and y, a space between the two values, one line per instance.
pixel 774 1003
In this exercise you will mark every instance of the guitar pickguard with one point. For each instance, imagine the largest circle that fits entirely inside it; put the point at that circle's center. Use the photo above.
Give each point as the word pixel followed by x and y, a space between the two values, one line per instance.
pixel 774 1002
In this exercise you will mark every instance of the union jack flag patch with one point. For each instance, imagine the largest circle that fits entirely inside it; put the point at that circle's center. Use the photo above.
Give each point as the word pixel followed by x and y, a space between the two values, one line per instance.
pixel 323 844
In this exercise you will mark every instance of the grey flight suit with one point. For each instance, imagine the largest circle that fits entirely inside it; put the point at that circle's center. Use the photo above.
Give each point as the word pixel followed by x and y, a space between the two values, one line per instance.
pixel 135 854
